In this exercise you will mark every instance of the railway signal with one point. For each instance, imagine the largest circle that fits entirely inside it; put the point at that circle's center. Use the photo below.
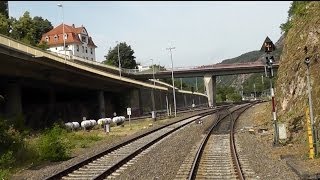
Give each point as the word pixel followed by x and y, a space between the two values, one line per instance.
pixel 268 47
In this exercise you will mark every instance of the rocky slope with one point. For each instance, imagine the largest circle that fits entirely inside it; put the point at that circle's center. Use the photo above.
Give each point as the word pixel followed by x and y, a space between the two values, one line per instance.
pixel 291 85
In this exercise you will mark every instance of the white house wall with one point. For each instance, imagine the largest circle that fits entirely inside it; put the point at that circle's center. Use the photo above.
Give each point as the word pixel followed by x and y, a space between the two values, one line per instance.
pixel 73 51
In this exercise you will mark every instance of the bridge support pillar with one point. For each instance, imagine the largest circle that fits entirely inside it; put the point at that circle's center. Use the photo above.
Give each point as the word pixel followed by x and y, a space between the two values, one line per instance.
pixel 13 104
pixel 185 100
pixel 135 102
pixel 102 108
pixel 211 89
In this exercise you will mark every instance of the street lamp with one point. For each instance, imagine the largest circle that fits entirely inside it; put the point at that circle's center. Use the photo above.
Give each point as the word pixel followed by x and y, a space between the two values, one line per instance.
pixel 119 59
pixel 153 101
pixel 174 92
pixel 255 93
pixel 63 36
pixel 153 73
pixel 268 47
pixel 197 88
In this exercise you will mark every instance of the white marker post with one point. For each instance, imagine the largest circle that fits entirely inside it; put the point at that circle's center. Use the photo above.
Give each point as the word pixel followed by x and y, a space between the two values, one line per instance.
pixel 129 114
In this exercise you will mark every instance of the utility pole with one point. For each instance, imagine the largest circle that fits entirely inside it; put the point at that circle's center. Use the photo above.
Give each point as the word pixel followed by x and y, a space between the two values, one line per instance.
pixel 197 88
pixel 63 36
pixel 313 129
pixel 119 59
pixel 153 100
pixel 173 88
pixel 255 94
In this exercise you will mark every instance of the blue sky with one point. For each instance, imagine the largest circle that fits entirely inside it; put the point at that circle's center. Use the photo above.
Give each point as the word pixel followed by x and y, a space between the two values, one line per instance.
pixel 203 32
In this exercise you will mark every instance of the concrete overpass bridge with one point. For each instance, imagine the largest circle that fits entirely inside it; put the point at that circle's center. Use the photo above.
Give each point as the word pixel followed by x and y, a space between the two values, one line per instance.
pixel 208 72
pixel 201 71
pixel 46 87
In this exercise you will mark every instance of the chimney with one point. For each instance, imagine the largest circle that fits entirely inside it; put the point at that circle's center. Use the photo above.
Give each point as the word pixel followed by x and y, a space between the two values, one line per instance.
pixel 73 26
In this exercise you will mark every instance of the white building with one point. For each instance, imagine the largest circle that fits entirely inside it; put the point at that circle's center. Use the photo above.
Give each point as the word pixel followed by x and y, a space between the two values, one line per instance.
pixel 143 68
pixel 78 42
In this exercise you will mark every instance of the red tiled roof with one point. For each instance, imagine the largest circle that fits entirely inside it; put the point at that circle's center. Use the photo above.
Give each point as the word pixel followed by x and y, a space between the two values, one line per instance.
pixel 72 36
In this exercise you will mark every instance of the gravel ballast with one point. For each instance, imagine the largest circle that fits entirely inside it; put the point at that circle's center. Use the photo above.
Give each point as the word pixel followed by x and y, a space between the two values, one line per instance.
pixel 263 159
pixel 164 160
pixel 42 173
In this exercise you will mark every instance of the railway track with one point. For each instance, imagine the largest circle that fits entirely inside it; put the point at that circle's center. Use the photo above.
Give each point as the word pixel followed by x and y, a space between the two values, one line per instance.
pixel 106 163
pixel 215 157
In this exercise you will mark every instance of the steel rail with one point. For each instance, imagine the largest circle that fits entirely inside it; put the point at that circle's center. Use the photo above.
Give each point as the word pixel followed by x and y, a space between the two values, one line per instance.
pixel 196 161
pixel 74 167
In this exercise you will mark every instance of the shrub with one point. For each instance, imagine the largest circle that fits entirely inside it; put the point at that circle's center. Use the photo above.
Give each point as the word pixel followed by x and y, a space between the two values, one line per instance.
pixel 10 139
pixel 235 97
pixel 7 159
pixel 4 173
pixel 52 146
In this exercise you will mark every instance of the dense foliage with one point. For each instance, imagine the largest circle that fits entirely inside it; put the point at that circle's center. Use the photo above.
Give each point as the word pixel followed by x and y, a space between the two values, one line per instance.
pixel 127 60
pixel 297 8
pixel 26 29
pixel 52 146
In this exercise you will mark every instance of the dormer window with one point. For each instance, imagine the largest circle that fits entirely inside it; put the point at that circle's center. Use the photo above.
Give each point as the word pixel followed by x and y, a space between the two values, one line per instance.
pixel 47 38
pixel 55 38
pixel 84 39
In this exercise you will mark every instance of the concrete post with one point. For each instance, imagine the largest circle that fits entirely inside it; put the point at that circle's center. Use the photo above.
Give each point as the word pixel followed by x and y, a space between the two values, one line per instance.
pixel 135 101
pixel 52 104
pixel 185 100
pixel 102 108
pixel 13 104
pixel 211 89
pixel 141 104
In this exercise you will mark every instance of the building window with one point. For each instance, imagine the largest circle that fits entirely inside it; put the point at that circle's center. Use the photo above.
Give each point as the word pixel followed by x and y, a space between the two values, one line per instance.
pixel 86 57
pixel 82 49
pixel 55 38
pixel 86 50
pixel 47 38
pixel 65 36
pixel 92 59
pixel 83 39
pixel 91 50
pixel 78 48
pixel 56 48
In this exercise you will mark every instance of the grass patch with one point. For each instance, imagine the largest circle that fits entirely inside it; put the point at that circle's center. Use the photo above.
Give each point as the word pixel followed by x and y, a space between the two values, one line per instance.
pixel 58 144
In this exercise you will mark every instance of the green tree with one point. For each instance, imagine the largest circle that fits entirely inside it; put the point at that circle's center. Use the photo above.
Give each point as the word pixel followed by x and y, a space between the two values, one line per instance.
pixel 4 25
pixel 24 29
pixel 235 97
pixel 41 26
pixel 4 8
pixel 29 30
pixel 223 91
pixel 127 59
